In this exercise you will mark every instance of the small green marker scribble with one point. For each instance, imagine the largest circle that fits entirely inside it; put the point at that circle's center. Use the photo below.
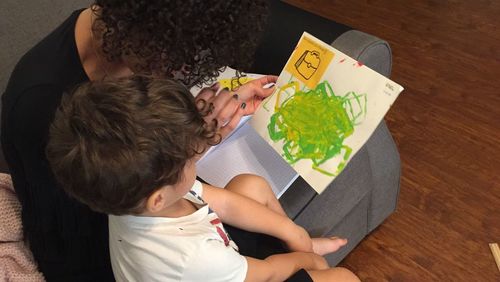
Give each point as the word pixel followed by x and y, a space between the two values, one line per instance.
pixel 313 124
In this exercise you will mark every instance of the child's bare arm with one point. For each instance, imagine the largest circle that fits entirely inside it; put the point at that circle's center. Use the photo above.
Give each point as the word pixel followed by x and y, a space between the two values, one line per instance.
pixel 281 267
pixel 247 214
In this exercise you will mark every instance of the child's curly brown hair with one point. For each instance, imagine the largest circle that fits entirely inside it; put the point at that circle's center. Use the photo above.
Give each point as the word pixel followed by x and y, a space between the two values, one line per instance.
pixel 190 40
pixel 113 143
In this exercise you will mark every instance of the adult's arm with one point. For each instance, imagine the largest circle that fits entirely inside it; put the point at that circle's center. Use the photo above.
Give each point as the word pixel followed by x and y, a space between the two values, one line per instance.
pixel 25 122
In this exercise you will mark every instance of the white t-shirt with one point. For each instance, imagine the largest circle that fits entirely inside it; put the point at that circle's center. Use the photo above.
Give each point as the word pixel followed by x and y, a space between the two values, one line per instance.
pixel 190 248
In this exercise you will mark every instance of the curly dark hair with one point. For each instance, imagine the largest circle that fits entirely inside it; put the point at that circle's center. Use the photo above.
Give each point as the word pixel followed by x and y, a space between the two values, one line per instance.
pixel 113 143
pixel 190 40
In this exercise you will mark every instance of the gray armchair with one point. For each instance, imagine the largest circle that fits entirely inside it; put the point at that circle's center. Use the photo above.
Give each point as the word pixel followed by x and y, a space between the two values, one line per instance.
pixel 364 194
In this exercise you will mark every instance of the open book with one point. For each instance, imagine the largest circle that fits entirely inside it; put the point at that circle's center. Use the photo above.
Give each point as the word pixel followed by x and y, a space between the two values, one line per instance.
pixel 243 151
pixel 325 107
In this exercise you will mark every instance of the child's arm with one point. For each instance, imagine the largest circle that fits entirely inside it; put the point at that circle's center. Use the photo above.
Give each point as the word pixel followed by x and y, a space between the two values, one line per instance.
pixel 247 214
pixel 281 267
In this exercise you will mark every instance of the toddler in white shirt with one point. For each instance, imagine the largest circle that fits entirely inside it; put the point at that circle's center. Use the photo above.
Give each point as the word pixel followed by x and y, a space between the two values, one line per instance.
pixel 128 148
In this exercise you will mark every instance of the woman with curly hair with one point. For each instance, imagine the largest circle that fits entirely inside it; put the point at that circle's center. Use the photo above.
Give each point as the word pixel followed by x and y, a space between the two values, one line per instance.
pixel 190 40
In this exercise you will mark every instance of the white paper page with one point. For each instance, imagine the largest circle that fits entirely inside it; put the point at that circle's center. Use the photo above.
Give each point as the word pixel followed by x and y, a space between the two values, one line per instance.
pixel 325 107
pixel 243 120
pixel 246 152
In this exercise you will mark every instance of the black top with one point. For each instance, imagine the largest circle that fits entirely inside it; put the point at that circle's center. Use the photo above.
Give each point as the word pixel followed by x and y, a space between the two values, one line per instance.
pixel 66 238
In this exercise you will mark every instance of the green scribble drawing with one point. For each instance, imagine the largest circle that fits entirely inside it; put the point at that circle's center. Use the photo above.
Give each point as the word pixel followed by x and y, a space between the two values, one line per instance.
pixel 313 124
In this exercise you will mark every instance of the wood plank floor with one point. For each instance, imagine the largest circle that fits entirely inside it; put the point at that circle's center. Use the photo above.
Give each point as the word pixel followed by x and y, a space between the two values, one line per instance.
pixel 447 128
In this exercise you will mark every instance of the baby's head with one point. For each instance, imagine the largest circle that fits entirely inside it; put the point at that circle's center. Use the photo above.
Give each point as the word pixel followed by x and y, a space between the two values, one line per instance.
pixel 112 144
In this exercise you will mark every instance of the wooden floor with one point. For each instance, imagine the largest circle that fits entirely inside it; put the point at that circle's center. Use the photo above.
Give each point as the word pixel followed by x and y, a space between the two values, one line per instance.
pixel 447 128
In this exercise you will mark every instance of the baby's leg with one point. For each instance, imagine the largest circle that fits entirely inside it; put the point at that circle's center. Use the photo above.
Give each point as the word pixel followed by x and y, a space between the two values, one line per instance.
pixel 256 188
pixel 332 275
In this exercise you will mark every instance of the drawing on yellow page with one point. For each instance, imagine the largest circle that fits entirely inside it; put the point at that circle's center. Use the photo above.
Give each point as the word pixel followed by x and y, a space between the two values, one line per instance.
pixel 234 82
pixel 309 62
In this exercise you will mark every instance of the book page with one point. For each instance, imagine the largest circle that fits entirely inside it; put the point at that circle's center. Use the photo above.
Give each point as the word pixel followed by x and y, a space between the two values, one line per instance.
pixel 228 78
pixel 246 152
pixel 231 79
pixel 325 107
pixel 243 151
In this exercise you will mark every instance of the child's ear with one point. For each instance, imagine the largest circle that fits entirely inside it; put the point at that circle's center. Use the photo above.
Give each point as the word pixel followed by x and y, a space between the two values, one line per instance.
pixel 157 201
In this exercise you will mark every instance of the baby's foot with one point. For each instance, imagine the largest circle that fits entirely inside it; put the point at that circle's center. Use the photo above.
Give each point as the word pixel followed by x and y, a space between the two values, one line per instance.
pixel 323 246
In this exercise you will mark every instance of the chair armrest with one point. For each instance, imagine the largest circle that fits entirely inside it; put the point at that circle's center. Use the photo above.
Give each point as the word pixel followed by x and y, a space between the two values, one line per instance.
pixel 368 49
pixel 376 54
